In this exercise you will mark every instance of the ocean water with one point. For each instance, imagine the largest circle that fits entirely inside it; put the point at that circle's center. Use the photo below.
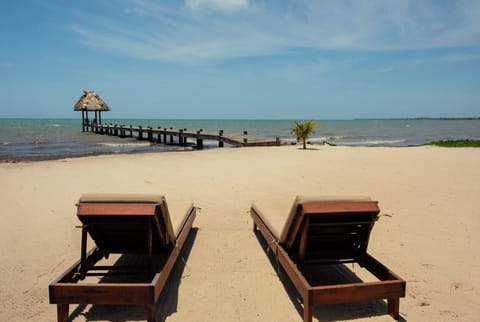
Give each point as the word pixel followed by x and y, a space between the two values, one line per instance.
pixel 40 139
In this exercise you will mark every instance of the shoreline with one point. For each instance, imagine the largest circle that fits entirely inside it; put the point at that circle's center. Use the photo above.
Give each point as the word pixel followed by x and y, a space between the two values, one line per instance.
pixel 175 148
pixel 427 231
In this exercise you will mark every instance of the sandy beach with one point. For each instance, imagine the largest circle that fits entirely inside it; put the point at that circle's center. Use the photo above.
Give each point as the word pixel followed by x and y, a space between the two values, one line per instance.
pixel 427 233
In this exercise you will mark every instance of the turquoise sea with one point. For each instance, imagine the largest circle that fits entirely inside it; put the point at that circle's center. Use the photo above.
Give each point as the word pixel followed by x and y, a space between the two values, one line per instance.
pixel 40 139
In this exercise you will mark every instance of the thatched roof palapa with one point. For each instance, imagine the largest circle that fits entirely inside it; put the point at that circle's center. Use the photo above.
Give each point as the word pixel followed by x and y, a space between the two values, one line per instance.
pixel 90 101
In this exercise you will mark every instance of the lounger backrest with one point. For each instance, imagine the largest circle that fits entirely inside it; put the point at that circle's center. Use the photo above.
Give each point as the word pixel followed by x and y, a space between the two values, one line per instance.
pixel 336 229
pixel 299 200
pixel 125 223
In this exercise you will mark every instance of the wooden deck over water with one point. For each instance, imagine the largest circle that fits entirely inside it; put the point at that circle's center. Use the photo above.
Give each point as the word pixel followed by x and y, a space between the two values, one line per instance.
pixel 178 137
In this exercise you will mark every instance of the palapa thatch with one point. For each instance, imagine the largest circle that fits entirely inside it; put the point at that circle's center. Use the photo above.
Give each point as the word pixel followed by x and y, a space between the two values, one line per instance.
pixel 90 101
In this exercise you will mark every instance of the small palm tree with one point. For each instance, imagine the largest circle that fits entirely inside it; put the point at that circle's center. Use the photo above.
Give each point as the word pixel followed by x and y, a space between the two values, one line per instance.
pixel 303 130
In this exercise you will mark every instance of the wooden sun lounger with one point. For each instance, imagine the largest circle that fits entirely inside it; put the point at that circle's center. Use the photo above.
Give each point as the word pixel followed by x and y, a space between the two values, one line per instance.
pixel 327 231
pixel 124 224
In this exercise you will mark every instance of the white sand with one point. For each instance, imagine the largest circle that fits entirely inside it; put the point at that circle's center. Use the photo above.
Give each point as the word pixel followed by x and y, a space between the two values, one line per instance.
pixel 429 232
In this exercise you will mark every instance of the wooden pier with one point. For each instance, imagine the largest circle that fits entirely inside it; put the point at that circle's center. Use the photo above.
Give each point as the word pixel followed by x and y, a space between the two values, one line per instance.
pixel 181 137
pixel 91 102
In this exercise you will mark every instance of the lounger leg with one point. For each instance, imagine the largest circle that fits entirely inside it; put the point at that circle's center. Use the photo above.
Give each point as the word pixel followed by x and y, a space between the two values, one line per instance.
pixel 394 308
pixel 151 312
pixel 62 312
pixel 307 312
pixel 307 307
pixel 254 226
pixel 83 260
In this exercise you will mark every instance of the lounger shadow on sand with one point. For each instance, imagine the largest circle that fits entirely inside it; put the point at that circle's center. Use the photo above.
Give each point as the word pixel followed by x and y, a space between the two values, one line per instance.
pixel 142 226
pixel 320 232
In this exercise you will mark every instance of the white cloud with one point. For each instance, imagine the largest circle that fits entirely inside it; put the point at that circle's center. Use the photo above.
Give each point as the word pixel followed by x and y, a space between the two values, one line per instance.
pixel 228 6
pixel 177 34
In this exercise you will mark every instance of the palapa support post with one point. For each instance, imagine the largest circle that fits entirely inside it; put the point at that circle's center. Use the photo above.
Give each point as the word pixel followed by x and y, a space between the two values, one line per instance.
pixel 86 120
pixel 83 121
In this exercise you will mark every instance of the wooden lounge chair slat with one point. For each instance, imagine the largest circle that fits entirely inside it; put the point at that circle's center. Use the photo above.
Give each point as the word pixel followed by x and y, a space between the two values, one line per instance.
pixel 96 209
pixel 346 207
pixel 356 292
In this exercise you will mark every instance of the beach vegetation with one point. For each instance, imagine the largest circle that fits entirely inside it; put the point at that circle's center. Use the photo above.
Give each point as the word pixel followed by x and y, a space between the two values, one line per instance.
pixel 303 130
pixel 456 143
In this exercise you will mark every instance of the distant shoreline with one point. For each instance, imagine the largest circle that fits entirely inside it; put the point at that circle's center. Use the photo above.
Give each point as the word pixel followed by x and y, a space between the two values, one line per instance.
pixel 252 119
pixel 422 118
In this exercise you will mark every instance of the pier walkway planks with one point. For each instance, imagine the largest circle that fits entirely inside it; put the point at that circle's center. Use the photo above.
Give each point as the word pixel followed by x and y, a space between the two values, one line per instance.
pixel 176 137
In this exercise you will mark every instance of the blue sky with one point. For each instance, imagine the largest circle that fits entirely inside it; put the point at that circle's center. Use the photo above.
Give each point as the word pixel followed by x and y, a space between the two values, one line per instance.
pixel 247 59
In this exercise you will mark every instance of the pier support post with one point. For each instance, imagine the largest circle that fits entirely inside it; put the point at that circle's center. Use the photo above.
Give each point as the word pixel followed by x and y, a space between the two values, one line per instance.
pixel 180 137
pixel 184 143
pixel 220 139
pixel 171 136
pixel 159 135
pixel 150 134
pixel 131 131
pixel 140 133
pixel 245 141
pixel 199 141
pixel 165 136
